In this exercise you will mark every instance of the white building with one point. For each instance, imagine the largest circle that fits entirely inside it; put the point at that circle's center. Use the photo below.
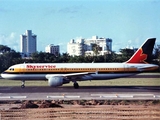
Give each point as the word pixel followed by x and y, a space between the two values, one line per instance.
pixel 28 43
pixel 52 49
pixel 85 46
pixel 75 48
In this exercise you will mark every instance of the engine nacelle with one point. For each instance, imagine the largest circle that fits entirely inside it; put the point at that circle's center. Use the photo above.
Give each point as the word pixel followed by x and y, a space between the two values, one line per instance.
pixel 55 81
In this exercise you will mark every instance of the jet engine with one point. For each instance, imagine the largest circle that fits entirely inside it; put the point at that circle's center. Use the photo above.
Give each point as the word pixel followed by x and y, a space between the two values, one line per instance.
pixel 55 81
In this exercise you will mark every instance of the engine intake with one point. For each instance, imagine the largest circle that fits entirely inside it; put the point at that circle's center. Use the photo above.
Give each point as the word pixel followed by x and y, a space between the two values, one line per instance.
pixel 55 81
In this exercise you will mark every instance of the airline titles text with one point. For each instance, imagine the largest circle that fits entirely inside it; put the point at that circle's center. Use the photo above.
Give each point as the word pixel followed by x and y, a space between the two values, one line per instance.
pixel 41 66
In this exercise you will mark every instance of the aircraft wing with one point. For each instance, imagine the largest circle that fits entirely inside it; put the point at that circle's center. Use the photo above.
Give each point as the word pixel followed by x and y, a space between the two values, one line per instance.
pixel 71 76
pixel 78 74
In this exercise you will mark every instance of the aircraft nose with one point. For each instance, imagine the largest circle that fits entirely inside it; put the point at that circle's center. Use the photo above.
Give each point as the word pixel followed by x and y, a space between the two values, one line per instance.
pixel 3 75
pixel 0 75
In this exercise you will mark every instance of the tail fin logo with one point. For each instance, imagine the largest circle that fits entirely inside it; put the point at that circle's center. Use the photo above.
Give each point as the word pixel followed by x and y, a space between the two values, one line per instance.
pixel 144 53
pixel 143 57
pixel 139 57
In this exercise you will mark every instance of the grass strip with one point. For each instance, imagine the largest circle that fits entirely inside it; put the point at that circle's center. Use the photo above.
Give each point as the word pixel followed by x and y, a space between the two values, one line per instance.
pixel 113 82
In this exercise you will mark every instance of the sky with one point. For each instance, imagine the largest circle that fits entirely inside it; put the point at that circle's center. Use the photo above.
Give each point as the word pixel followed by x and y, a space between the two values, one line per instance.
pixel 126 22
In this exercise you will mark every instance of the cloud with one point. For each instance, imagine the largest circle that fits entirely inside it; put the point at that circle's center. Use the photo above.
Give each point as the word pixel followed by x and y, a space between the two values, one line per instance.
pixel 68 10
pixel 128 44
pixel 64 10
pixel 49 12
pixel 71 9
pixel 116 46
pixel 10 40
pixel 129 41
pixel 155 1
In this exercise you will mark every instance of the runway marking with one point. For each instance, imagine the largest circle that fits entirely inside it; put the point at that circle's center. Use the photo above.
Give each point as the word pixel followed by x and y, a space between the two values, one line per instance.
pixel 96 95
pixel 125 96
pixel 55 97
pixel 157 96
pixel 72 96
pixel 114 96
pixel 15 97
pixel 12 97
pixel 108 96
pixel 62 97
pixel 79 97
pixel 5 97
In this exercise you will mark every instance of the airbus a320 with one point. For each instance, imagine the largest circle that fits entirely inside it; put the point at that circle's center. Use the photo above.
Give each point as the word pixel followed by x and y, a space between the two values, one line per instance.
pixel 58 74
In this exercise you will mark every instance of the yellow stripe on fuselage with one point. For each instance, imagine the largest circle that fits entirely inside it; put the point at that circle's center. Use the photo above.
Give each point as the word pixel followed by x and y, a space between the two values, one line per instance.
pixel 58 70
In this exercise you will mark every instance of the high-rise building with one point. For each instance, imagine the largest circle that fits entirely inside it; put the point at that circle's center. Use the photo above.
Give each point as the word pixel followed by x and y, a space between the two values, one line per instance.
pixel 53 49
pixel 86 46
pixel 28 43
pixel 76 48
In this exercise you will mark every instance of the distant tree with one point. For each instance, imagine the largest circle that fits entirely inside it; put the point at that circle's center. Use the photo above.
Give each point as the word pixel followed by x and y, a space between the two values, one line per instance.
pixel 64 58
pixel 89 59
pixel 1 65
pixel 8 57
pixel 96 48
pixel 77 59
pixel 43 57
pixel 4 49
pixel 110 57
pixel 126 54
pixel 156 55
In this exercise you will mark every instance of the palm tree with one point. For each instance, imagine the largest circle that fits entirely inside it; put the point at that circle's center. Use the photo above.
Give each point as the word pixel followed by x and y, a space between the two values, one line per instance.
pixel 96 48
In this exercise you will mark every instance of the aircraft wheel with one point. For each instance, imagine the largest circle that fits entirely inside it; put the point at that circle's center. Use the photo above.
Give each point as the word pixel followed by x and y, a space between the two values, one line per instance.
pixel 76 86
pixel 22 86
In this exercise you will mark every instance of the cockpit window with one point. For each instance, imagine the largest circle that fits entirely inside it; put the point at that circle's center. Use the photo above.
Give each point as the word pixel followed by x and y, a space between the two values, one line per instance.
pixel 11 69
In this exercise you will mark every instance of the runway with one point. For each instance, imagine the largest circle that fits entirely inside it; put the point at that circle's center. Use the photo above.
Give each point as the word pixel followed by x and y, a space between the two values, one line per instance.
pixel 84 92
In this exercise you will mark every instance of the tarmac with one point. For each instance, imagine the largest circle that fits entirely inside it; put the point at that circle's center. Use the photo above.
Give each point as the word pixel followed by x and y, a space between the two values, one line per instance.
pixel 83 93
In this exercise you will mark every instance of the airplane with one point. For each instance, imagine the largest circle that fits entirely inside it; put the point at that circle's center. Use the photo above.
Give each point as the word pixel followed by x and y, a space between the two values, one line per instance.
pixel 58 74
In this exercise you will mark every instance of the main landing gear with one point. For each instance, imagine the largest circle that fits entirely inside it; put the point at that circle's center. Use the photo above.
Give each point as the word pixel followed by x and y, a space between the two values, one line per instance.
pixel 23 84
pixel 76 86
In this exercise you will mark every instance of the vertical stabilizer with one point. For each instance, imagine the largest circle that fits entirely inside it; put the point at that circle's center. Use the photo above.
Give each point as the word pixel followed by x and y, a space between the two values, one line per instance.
pixel 144 53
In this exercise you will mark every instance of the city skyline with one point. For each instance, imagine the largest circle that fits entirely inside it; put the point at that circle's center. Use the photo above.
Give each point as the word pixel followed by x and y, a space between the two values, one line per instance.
pixel 59 21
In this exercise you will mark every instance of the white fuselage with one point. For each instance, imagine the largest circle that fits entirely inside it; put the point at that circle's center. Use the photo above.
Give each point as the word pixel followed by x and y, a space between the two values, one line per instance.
pixel 78 71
